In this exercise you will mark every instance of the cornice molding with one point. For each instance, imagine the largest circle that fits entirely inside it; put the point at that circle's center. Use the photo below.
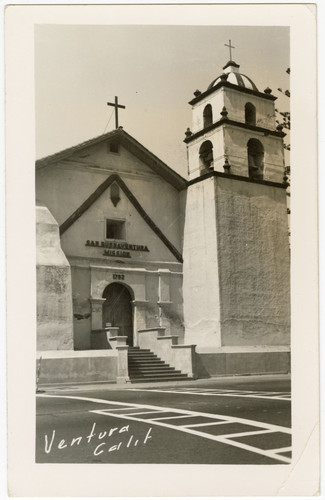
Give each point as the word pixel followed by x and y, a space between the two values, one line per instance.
pixel 214 173
pixel 233 123
pixel 226 84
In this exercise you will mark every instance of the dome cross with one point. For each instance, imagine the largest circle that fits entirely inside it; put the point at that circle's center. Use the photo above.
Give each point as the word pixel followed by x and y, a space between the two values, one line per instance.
pixel 230 47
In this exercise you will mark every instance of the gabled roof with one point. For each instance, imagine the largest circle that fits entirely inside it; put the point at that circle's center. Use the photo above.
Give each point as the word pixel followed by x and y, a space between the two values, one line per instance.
pixel 126 140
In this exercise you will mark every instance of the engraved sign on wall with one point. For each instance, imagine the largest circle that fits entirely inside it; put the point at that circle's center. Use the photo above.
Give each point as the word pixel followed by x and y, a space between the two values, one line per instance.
pixel 114 249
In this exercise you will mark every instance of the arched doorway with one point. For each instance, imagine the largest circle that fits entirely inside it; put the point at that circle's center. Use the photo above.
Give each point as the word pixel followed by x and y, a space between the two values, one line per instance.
pixel 255 153
pixel 117 309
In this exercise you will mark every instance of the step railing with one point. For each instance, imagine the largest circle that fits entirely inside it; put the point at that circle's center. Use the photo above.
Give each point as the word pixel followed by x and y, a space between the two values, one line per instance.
pixel 109 338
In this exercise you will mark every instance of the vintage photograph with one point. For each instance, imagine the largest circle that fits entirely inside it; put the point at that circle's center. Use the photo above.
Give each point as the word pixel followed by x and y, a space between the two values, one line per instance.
pixel 162 279
pixel 162 189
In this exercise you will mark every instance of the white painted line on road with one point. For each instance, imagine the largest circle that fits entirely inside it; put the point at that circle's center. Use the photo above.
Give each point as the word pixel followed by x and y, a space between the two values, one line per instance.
pixel 277 428
pixel 148 411
pixel 205 424
pixel 248 433
pixel 219 438
pixel 204 393
pixel 174 416
pixel 247 447
pixel 221 391
pixel 211 437
pixel 122 409
pixel 281 450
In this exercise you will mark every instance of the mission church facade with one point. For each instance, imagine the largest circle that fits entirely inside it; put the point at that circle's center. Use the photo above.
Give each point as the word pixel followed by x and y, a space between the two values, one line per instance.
pixel 130 255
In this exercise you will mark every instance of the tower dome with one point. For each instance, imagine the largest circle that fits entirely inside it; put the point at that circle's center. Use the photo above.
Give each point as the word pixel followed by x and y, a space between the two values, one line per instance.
pixel 233 76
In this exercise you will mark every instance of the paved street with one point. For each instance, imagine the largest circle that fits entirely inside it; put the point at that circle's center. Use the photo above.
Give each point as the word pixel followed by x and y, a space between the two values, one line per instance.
pixel 234 420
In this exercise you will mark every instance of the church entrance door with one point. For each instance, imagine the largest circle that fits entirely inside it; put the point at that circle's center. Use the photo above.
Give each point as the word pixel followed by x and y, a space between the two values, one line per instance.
pixel 117 310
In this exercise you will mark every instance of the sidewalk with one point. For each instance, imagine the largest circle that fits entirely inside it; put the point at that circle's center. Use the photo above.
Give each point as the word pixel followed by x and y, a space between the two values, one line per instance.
pixel 213 381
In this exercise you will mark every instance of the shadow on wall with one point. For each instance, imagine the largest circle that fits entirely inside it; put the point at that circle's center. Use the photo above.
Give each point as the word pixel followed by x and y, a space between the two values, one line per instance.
pixel 201 370
pixel 81 322
pixel 181 219
pixel 244 363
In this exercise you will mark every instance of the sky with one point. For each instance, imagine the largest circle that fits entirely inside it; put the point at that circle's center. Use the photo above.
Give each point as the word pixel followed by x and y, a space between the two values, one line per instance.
pixel 153 70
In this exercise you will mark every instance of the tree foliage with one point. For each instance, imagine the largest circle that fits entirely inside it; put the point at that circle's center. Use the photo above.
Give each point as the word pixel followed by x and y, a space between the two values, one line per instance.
pixel 283 122
pixel 283 117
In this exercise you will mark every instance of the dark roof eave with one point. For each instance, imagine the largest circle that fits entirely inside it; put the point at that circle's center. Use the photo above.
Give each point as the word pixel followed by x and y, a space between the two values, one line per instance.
pixel 226 121
pixel 245 90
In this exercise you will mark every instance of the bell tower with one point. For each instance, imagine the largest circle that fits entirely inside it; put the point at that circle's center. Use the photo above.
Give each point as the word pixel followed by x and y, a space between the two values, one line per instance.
pixel 236 247
pixel 234 129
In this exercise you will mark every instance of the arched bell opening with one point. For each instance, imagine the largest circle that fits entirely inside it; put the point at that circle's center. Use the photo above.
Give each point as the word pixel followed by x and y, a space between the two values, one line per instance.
pixel 117 309
pixel 250 114
pixel 207 116
pixel 255 153
pixel 206 157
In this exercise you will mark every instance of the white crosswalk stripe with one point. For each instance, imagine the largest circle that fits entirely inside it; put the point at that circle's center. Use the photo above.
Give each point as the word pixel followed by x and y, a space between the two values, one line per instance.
pixel 284 396
pixel 206 423
pixel 281 450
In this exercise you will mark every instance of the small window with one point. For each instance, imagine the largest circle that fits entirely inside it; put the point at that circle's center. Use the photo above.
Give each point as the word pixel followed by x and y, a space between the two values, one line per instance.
pixel 115 229
pixel 113 147
pixel 250 114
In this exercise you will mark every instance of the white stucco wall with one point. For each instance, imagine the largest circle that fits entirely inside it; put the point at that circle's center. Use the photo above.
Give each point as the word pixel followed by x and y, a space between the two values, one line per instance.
pixel 231 141
pixel 149 310
pixel 236 265
pixel 217 102
pixel 234 101
pixel 216 137
pixel 254 267
pixel 53 280
pixel 65 185
pixel 81 280
pixel 201 279
pixel 236 140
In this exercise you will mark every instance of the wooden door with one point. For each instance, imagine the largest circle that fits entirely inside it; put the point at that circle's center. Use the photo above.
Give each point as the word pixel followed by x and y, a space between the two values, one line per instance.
pixel 117 310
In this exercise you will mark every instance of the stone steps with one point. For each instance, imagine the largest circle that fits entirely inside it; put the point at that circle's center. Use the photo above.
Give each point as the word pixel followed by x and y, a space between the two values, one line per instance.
pixel 145 366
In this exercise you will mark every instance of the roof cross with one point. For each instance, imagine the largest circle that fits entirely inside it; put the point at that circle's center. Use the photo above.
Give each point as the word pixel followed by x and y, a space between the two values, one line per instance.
pixel 230 47
pixel 116 106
